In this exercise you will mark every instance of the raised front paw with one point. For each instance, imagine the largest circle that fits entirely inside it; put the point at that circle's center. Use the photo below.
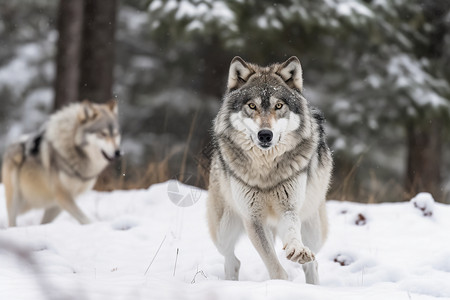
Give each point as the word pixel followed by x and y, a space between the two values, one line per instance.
pixel 296 252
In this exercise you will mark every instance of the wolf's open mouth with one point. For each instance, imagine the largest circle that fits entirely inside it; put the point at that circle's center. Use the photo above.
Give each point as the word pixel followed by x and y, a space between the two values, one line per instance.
pixel 106 156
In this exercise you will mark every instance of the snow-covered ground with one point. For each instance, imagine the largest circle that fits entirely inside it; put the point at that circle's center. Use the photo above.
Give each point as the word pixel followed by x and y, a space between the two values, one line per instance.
pixel 142 246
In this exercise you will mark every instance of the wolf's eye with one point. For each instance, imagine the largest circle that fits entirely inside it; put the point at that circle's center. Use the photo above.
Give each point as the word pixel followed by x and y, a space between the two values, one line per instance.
pixel 278 105
pixel 252 106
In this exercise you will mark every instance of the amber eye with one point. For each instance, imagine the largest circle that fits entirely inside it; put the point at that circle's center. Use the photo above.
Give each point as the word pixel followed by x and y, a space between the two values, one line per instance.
pixel 252 106
pixel 278 105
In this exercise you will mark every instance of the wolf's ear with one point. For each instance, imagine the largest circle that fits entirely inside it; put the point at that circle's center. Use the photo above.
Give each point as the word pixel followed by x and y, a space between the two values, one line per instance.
pixel 87 111
pixel 291 72
pixel 112 105
pixel 239 73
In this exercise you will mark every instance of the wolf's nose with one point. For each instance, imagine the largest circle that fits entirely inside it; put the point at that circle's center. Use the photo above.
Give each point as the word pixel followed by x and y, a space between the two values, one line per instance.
pixel 117 154
pixel 265 136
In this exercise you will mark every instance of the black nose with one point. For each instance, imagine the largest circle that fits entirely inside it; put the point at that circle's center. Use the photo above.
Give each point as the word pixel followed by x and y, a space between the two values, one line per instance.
pixel 265 136
pixel 117 154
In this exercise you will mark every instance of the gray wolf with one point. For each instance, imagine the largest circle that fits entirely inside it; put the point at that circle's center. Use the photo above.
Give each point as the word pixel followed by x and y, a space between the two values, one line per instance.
pixel 270 168
pixel 50 168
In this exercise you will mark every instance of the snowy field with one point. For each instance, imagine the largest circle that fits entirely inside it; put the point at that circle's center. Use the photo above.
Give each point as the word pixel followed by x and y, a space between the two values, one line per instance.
pixel 142 246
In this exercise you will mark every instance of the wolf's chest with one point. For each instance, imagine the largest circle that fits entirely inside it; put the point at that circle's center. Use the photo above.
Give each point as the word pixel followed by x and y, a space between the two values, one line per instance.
pixel 267 175
pixel 286 195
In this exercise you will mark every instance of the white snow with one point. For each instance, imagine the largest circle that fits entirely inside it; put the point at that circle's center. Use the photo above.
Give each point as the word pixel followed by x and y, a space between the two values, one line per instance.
pixel 187 9
pixel 410 73
pixel 424 203
pixel 17 74
pixel 200 11
pixel 38 106
pixel 130 252
pixel 195 25
pixel 134 19
pixel 349 8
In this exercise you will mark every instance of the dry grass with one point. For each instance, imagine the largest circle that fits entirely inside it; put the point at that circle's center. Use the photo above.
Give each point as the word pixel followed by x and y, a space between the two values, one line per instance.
pixel 347 185
pixel 123 176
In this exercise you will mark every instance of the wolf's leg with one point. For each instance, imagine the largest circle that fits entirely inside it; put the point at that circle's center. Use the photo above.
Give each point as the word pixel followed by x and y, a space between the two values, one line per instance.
pixel 313 234
pixel 311 272
pixel 229 229
pixel 225 225
pixel 261 237
pixel 50 214
pixel 314 231
pixel 290 224
pixel 13 200
pixel 289 228
pixel 10 202
pixel 13 203
pixel 66 202
pixel 12 161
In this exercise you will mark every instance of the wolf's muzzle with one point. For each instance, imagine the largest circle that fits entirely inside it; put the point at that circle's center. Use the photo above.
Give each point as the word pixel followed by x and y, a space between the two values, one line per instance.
pixel 117 155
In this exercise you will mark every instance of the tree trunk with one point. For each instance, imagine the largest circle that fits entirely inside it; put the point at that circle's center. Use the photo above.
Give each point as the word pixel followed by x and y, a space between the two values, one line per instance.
pixel 70 20
pixel 97 54
pixel 424 159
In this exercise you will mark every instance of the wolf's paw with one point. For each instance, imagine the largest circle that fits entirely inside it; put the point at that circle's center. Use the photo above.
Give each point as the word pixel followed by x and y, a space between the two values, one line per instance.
pixel 296 252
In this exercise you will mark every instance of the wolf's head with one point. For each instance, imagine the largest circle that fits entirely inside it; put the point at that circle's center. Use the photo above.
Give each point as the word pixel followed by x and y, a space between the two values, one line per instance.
pixel 98 130
pixel 265 104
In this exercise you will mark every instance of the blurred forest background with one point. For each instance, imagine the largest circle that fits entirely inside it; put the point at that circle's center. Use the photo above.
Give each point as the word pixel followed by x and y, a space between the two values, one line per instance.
pixel 378 69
